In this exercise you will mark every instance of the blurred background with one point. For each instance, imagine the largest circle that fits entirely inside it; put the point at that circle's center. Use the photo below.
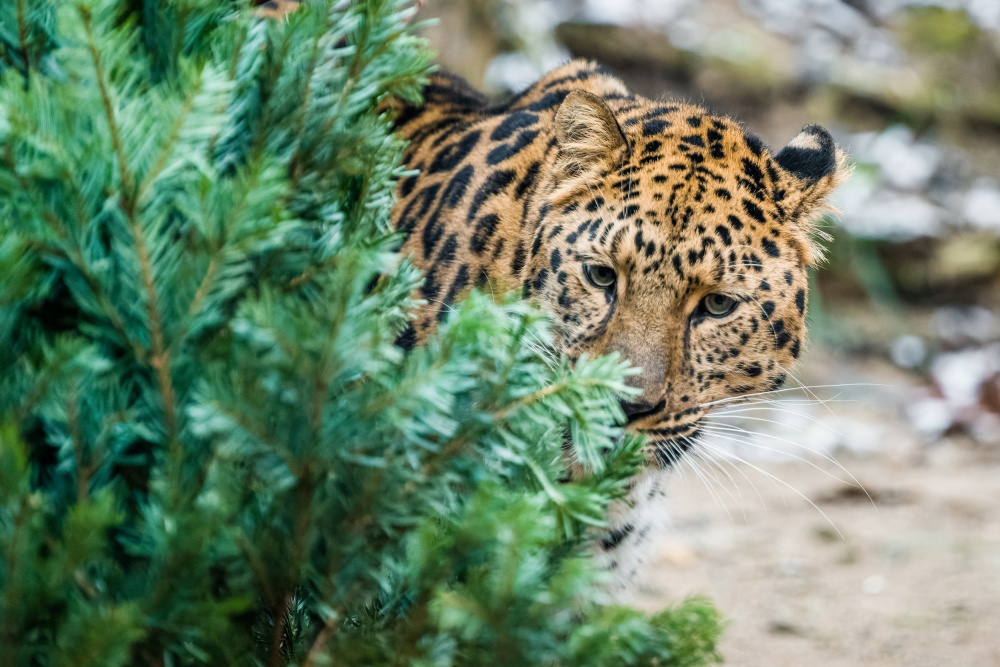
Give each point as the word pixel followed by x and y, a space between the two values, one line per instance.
pixel 856 522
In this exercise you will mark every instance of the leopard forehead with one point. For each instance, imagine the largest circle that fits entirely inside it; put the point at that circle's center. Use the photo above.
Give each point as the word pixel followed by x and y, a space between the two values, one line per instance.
pixel 688 176
pixel 698 206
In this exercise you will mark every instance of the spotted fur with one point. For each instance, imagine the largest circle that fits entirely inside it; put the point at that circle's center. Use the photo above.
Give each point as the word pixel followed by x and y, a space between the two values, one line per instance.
pixel 575 173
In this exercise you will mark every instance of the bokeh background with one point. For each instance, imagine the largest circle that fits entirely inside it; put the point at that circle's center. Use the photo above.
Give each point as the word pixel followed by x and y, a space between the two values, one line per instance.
pixel 855 522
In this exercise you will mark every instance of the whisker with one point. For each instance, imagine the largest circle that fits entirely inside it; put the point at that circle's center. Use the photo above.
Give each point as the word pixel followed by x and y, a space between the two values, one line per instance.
pixel 689 461
pixel 722 453
pixel 489 282
pixel 730 399
pixel 824 453
pixel 736 486
pixel 791 488
pixel 775 407
pixel 804 387
pixel 725 459
pixel 784 370
pixel 713 427
pixel 739 429
pixel 749 412
pixel 760 419
pixel 783 405
pixel 750 443
pixel 794 401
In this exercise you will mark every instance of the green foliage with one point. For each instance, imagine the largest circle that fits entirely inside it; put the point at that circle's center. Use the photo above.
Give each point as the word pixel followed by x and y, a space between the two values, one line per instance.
pixel 938 30
pixel 211 451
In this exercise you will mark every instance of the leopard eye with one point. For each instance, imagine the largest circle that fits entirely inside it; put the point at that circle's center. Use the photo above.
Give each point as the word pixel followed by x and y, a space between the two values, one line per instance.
pixel 601 277
pixel 718 305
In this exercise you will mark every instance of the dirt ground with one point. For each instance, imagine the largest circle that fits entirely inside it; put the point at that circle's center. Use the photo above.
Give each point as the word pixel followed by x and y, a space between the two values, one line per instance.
pixel 910 577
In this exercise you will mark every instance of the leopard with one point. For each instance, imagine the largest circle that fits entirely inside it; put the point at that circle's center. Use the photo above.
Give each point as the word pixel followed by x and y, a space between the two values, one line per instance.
pixel 657 230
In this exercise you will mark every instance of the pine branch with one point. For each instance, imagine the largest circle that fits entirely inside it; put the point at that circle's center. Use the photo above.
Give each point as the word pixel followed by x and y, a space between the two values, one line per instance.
pixel 319 644
pixel 72 417
pixel 22 37
pixel 167 146
pixel 160 359
pixel 299 118
pixel 9 630
pixel 217 249
pixel 279 613
pixel 73 252
pixel 75 256
pixel 539 395
pixel 109 111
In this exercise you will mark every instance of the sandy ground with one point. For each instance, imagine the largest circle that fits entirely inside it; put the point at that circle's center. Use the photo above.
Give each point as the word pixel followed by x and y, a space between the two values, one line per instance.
pixel 910 577
pixel 915 582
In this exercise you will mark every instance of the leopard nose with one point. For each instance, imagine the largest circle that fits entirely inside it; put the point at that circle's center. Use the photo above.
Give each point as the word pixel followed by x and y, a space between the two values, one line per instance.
pixel 637 410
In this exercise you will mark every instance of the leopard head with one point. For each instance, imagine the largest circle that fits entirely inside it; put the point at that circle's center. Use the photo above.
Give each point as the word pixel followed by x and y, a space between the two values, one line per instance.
pixel 680 241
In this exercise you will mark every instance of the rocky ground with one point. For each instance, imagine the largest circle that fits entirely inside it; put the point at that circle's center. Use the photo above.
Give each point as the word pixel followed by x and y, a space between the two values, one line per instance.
pixel 831 577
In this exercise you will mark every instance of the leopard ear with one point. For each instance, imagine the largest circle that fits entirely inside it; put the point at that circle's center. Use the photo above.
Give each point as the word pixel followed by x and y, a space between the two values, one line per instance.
pixel 589 138
pixel 816 166
pixel 811 156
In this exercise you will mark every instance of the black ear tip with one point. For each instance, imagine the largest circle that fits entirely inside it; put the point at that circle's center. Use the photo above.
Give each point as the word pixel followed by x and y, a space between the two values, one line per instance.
pixel 817 131
pixel 811 155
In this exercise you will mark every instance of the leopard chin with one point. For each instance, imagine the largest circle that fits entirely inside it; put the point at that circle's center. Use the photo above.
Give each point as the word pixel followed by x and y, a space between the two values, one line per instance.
pixel 659 452
pixel 668 452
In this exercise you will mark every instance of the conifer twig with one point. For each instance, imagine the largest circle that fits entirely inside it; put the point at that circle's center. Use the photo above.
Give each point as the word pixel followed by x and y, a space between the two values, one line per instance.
pixel 168 144
pixel 535 397
pixel 160 360
pixel 322 637
pixel 22 35
pixel 109 112
pixel 280 613
pixel 72 418
pixel 9 628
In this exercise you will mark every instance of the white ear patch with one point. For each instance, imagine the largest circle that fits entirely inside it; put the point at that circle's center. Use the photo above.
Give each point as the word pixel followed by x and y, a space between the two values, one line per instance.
pixel 811 155
pixel 806 140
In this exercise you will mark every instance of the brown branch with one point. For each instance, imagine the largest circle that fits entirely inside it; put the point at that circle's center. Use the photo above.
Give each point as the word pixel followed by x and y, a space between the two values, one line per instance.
pixel 22 37
pixel 321 639
pixel 152 660
pixel 533 397
pixel 9 631
pixel 161 159
pixel 281 611
pixel 160 360
pixel 255 563
pixel 92 282
pixel 203 286
pixel 295 164
pixel 74 254
pixel 109 112
pixel 72 417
